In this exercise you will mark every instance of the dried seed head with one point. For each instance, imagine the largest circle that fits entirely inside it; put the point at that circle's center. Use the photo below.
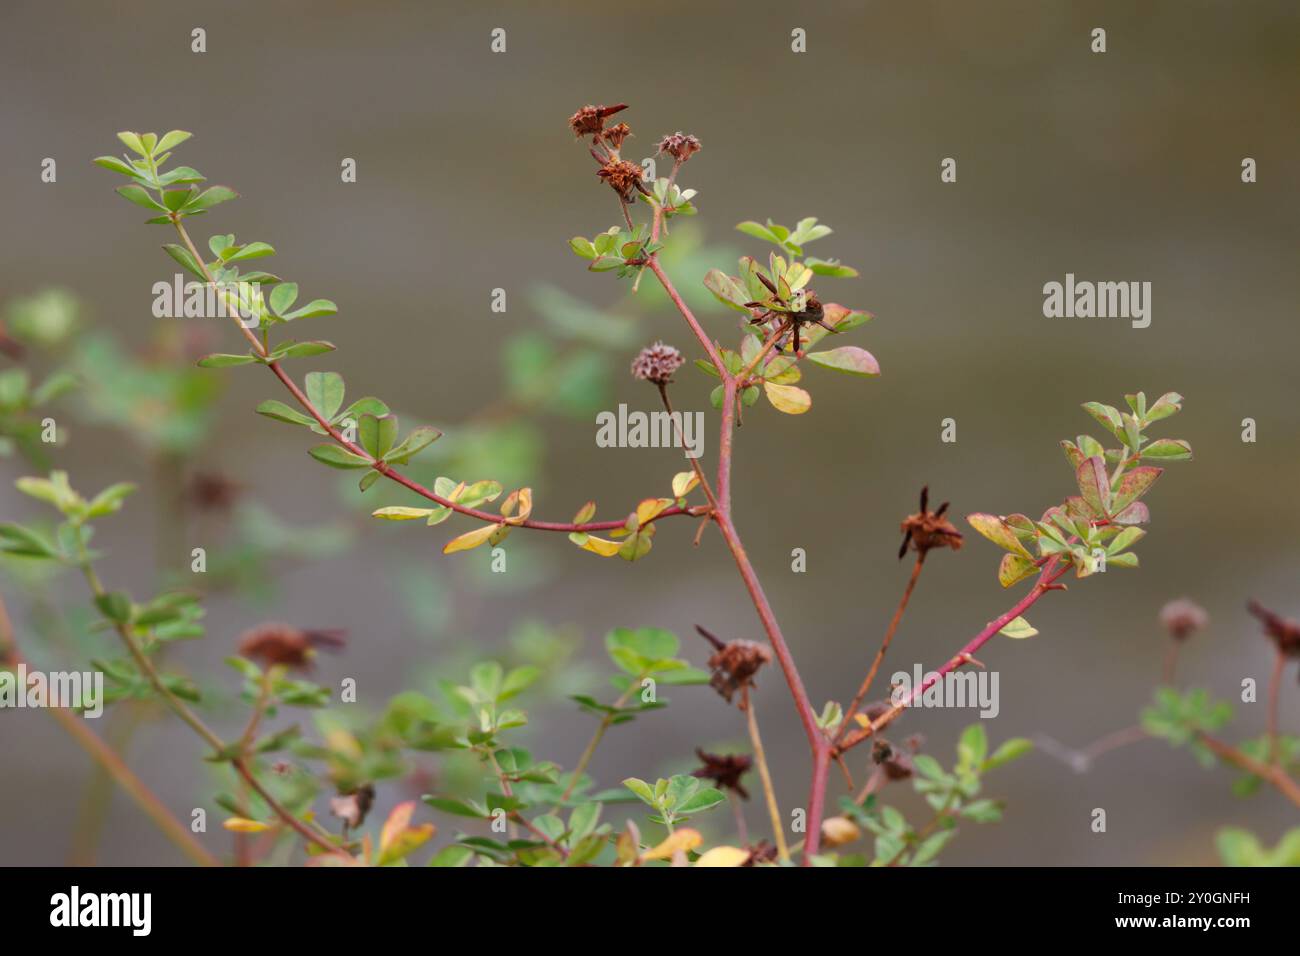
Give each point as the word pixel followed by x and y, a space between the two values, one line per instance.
pixel 656 363
pixel 735 665
pixel 1284 631
pixel 589 120
pixel 352 808
pixel 624 177
pixel 281 644
pixel 616 134
pixel 897 764
pixel 680 146
pixel 929 529
pixel 1183 618
pixel 761 852
pixel 725 770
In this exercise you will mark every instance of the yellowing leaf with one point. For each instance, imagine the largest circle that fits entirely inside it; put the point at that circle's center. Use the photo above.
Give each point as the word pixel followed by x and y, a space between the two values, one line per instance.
pixel 999 532
pixel 787 398
pixel 684 482
pixel 398 820
pixel 724 856
pixel 244 825
pixel 397 513
pixel 523 499
pixel 683 840
pixel 585 513
pixel 650 509
pixel 470 539
pixel 601 546
pixel 1014 568
pixel 1019 629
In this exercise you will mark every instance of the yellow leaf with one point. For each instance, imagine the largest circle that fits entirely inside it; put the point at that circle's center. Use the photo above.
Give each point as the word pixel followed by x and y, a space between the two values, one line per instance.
pixel 683 840
pixel 788 398
pixel 397 821
pixel 650 508
pixel 723 856
pixel 470 539
pixel 400 514
pixel 244 825
pixel 836 831
pixel 684 482
pixel 600 546
pixel 523 498
pixel 585 513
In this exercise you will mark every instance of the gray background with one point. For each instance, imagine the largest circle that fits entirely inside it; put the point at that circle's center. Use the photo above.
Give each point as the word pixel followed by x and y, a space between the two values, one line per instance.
pixel 1118 166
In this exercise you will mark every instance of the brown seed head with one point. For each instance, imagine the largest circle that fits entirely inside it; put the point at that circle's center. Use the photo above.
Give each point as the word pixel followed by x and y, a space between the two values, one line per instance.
pixel 725 770
pixel 352 808
pixel 273 644
pixel 589 120
pixel 735 665
pixel 1284 631
pixel 680 146
pixel 656 363
pixel 929 529
pixel 624 177
pixel 1183 618
pixel 616 134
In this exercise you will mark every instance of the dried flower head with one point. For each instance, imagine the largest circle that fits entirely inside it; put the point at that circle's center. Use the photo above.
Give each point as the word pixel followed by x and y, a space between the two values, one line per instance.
pixel 1284 631
pixel 761 852
pixel 1183 618
pixel 725 770
pixel 896 762
pixel 928 529
pixel 680 146
pixel 734 664
pixel 352 807
pixel 281 644
pixel 656 363
pixel 213 492
pixel 616 134
pixel 589 120
pixel 624 177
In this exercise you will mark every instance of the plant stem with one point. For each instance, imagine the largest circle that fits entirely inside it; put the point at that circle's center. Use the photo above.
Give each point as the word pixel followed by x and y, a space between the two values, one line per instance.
pixel 605 722
pixel 1051 572
pixel 1269 772
pixel 764 776
pixel 1274 686
pixel 884 646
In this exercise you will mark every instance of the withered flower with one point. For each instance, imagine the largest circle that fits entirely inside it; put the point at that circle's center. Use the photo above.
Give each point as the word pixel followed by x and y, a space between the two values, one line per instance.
pixel 803 307
pixel 656 363
pixel 624 177
pixel 352 807
pixel 213 492
pixel 282 644
pixel 734 664
pixel 680 146
pixel 928 529
pixel 896 763
pixel 589 120
pixel 616 134
pixel 761 852
pixel 1284 631
pixel 725 770
pixel 1183 618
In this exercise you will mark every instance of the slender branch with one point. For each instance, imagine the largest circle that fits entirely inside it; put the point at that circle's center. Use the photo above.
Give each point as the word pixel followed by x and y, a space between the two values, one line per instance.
pixel 712 350
pixel 695 462
pixel 1046 582
pixel 1274 686
pixel 1269 772
pixel 865 687
pixel 606 722
pixel 764 775
pixel 108 759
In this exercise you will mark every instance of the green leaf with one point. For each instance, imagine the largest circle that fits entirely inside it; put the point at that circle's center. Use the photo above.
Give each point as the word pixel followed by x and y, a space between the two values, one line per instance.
pixel 24 542
pixel 641 789
pixel 1135 483
pixel 1015 568
pixel 283 297
pixel 1010 750
pixel 219 360
pixel 1019 629
pixel 209 198
pixel 1094 484
pixel 325 391
pixel 140 197
pixel 1108 416
pixel 727 290
pixel 973 746
pixel 848 358
pixel 583 247
pixel 109 500
pixel 419 439
pixel 133 142
pixel 291 349
pixel 830 267
pixel 377 433
pixel 186 259
pixel 398 513
pixel 999 532
pixel 1167 404
pixel 337 457
pixel 281 412
pixel 758 231
pixel 1169 449
pixel 172 139
pixel 311 310
pixel 116 165
pixel 254 250
pixel 700 801
pixel 115 606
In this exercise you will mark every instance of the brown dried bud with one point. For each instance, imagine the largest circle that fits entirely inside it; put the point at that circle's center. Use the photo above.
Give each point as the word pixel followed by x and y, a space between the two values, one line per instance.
pixel 281 644
pixel 1183 618
pixel 735 665
pixel 213 492
pixel 761 852
pixel 680 146
pixel 929 529
pixel 897 764
pixel 725 770
pixel 656 363
pixel 1284 631
pixel 616 134
pixel 624 177
pixel 589 120
pixel 352 808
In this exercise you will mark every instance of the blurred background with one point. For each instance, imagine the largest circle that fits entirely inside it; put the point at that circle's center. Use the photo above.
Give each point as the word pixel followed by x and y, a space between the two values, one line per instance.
pixel 1122 166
